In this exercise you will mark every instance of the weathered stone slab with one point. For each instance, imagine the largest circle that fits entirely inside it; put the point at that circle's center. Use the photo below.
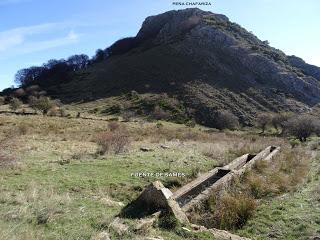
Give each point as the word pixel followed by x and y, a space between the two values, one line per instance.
pixel 272 154
pixel 153 199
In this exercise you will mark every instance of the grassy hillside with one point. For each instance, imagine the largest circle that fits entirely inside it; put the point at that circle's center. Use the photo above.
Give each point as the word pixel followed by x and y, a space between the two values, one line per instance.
pixel 295 215
pixel 201 59
pixel 55 185
pixel 75 141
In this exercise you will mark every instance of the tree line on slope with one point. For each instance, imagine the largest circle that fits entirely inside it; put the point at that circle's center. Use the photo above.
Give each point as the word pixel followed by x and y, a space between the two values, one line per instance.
pixel 58 71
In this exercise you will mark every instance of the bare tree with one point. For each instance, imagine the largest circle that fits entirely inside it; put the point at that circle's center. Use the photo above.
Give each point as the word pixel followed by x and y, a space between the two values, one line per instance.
pixel 15 104
pixel 78 62
pixel 302 126
pixel 278 120
pixel 263 120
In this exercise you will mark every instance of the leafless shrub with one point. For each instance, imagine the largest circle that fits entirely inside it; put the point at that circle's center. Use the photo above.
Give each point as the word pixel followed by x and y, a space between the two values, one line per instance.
pixel 263 120
pixel 278 120
pixel 32 100
pixel 15 104
pixel 116 141
pixel 302 127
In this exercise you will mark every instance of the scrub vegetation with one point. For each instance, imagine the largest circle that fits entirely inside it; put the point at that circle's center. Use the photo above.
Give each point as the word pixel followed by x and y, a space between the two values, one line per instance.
pixel 67 177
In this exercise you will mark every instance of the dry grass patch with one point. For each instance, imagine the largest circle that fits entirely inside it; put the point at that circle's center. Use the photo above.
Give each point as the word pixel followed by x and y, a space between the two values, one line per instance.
pixel 232 208
pixel 285 173
pixel 8 147
pixel 7 161
pixel 35 205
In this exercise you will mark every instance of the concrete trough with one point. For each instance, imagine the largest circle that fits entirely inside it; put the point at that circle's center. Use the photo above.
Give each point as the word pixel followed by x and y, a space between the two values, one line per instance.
pixel 157 198
pixel 219 178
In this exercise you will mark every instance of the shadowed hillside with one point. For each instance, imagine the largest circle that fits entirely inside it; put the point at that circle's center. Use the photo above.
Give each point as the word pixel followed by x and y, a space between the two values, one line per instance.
pixel 206 62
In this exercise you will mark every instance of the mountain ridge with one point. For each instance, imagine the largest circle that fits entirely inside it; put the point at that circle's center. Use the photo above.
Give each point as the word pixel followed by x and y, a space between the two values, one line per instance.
pixel 205 61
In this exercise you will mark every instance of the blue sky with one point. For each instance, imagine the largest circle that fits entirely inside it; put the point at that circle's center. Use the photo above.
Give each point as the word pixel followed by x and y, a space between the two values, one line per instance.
pixel 34 31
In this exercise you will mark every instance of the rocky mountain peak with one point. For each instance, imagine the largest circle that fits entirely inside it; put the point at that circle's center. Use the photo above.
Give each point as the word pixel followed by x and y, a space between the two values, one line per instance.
pixel 173 23
pixel 207 62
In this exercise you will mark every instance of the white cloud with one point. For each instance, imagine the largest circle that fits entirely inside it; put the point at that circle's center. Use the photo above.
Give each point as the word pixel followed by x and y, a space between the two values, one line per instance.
pixel 72 36
pixel 10 41
pixel 17 36
pixel 18 40
pixel 37 46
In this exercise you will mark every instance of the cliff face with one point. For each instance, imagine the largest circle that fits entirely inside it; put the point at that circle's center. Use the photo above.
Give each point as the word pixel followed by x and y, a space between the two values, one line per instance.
pixel 307 69
pixel 207 62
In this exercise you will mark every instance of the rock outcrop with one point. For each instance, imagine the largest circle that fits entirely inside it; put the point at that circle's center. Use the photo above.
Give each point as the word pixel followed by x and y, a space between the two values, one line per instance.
pixel 308 69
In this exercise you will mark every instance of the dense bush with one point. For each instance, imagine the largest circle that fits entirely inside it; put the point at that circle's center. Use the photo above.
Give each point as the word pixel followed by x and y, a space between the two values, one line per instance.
pixel 15 104
pixel 54 71
pixel 226 120
pixel 122 46
pixel 99 56
pixel 43 104
pixel 19 93
pixel 162 107
pixel 32 90
pixel 302 126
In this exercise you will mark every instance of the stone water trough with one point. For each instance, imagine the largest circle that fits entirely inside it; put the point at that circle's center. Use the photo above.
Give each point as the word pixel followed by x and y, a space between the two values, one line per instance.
pixel 157 198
